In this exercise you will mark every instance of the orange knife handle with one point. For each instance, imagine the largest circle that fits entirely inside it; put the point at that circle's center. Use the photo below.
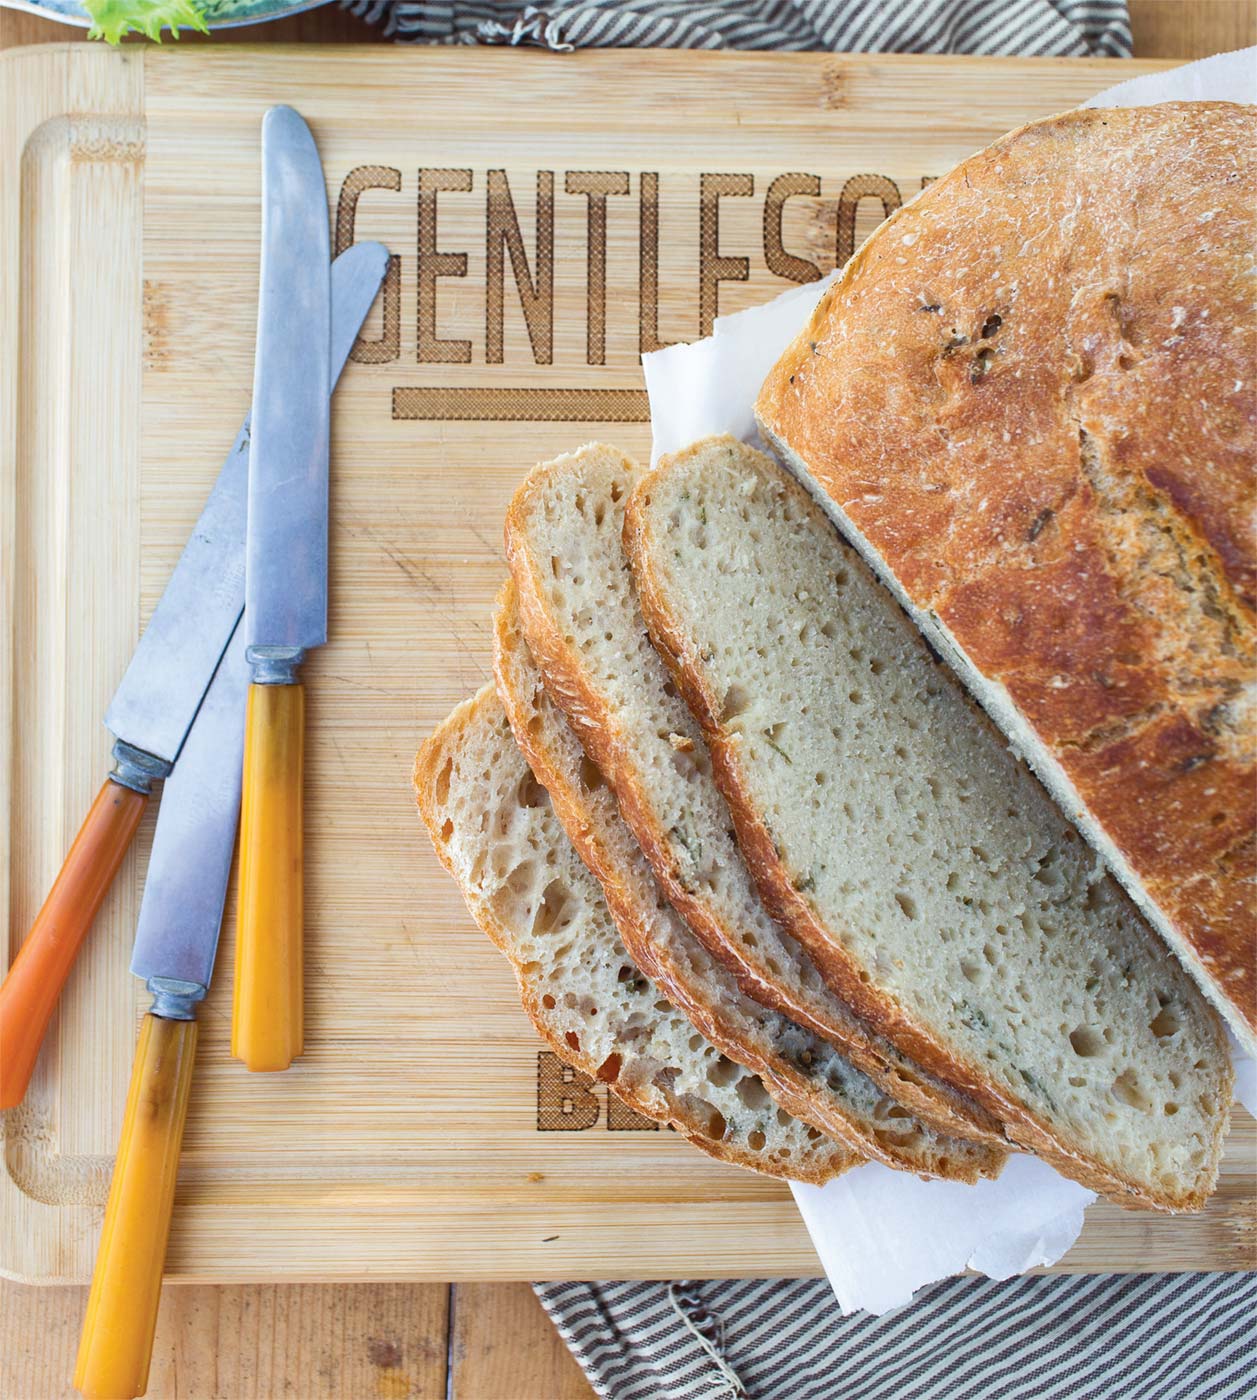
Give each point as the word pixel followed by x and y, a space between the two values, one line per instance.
pixel 266 1020
pixel 117 1341
pixel 39 972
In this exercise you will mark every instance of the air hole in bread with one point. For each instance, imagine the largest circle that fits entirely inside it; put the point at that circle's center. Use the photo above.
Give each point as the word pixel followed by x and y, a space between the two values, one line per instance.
pixel 753 1094
pixel 443 782
pixel 554 911
pixel 736 702
pixel 530 793
pixel 548 1002
pixel 447 829
pixel 573 1040
pixel 715 1127
pixel 1087 1043
pixel 907 904
pixel 609 1069
pixel 757 1140
pixel 1164 1023
pixel 722 1072
pixel 1126 1087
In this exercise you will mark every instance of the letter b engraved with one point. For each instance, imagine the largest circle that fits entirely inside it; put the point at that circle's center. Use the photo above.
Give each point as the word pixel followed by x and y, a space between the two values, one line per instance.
pixel 566 1102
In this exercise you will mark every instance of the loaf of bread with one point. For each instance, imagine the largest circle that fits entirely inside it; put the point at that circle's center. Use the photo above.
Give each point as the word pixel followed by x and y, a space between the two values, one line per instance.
pixel 929 876
pixel 581 617
pixel 806 1075
pixel 1031 403
pixel 495 831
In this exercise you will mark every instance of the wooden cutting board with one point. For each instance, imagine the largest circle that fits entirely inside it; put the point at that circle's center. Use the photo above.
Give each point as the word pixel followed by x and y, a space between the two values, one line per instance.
pixel 550 216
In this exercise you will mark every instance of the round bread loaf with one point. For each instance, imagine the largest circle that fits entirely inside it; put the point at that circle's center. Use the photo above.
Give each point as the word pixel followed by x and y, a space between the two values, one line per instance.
pixel 1031 402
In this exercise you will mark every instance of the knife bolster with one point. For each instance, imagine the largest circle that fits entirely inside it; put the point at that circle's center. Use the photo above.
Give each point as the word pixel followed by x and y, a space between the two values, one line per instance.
pixel 135 769
pixel 174 999
pixel 274 665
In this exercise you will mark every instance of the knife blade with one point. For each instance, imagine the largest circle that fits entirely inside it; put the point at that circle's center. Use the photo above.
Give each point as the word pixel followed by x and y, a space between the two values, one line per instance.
pixel 286 551
pixel 153 709
pixel 176 934
pixel 175 943
pixel 285 588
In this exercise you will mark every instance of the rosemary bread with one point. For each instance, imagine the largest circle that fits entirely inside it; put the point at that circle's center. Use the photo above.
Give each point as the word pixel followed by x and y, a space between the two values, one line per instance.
pixel 583 625
pixel 495 831
pixel 805 1074
pixel 932 880
pixel 1042 438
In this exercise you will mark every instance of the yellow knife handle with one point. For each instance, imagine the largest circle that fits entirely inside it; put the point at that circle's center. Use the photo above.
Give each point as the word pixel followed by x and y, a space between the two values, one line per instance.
pixel 266 1019
pixel 117 1342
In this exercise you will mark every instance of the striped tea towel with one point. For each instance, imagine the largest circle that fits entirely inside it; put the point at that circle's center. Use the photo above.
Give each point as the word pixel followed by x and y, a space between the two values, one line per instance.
pixel 1073 28
pixel 1080 1337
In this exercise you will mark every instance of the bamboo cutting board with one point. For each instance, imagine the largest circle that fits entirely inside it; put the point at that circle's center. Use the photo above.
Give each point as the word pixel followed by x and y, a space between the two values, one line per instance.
pixel 550 217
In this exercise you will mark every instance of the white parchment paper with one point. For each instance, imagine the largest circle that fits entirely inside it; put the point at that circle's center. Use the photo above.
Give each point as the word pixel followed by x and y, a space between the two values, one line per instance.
pixel 881 1235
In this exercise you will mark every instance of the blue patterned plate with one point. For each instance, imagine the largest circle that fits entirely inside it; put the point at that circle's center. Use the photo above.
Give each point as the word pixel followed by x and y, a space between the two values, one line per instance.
pixel 219 14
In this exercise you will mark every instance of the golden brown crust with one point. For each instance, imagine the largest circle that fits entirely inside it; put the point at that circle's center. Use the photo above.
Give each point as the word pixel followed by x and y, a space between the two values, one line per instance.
pixel 939 1104
pixel 1074 303
pixel 667 1108
pixel 794 1091
pixel 786 904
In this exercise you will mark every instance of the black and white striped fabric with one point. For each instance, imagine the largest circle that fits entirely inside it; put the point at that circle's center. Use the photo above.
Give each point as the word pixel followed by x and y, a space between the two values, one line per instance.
pixel 1080 1337
pixel 1072 28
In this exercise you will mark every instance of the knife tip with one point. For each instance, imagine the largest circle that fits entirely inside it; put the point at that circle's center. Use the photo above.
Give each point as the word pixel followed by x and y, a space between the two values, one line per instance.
pixel 282 119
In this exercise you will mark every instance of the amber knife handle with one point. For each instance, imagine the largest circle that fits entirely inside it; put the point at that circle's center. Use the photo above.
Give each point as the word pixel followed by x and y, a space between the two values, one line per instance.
pixel 43 963
pixel 266 1020
pixel 116 1345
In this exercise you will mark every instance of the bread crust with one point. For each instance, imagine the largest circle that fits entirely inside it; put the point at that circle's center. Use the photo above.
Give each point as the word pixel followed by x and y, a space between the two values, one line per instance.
pixel 649 948
pixel 941 1104
pixel 825 945
pixel 670 1108
pixel 1076 298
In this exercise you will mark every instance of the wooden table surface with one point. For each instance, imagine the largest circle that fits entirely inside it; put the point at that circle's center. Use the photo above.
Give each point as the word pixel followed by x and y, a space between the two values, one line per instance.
pixel 389 1341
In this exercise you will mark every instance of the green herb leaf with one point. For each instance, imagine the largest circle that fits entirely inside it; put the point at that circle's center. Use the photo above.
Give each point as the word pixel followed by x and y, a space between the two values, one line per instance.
pixel 111 19
pixel 776 748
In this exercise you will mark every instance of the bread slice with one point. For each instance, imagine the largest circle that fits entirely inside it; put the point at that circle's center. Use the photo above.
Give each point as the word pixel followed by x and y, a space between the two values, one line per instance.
pixel 584 626
pixel 495 831
pixel 805 1074
pixel 928 874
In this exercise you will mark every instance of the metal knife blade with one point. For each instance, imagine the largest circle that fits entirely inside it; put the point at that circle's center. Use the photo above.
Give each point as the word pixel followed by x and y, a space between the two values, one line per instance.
pixel 182 908
pixel 157 699
pixel 286 550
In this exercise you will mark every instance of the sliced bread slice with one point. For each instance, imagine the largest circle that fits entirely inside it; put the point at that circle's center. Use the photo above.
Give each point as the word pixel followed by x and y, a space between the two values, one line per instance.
pixel 495 831
pixel 584 626
pixel 805 1074
pixel 927 873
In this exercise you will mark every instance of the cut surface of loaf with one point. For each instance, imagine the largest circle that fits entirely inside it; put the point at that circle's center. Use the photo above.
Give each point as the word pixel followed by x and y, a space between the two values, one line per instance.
pixel 583 625
pixel 495 831
pixel 805 1074
pixel 1030 401
pixel 928 874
